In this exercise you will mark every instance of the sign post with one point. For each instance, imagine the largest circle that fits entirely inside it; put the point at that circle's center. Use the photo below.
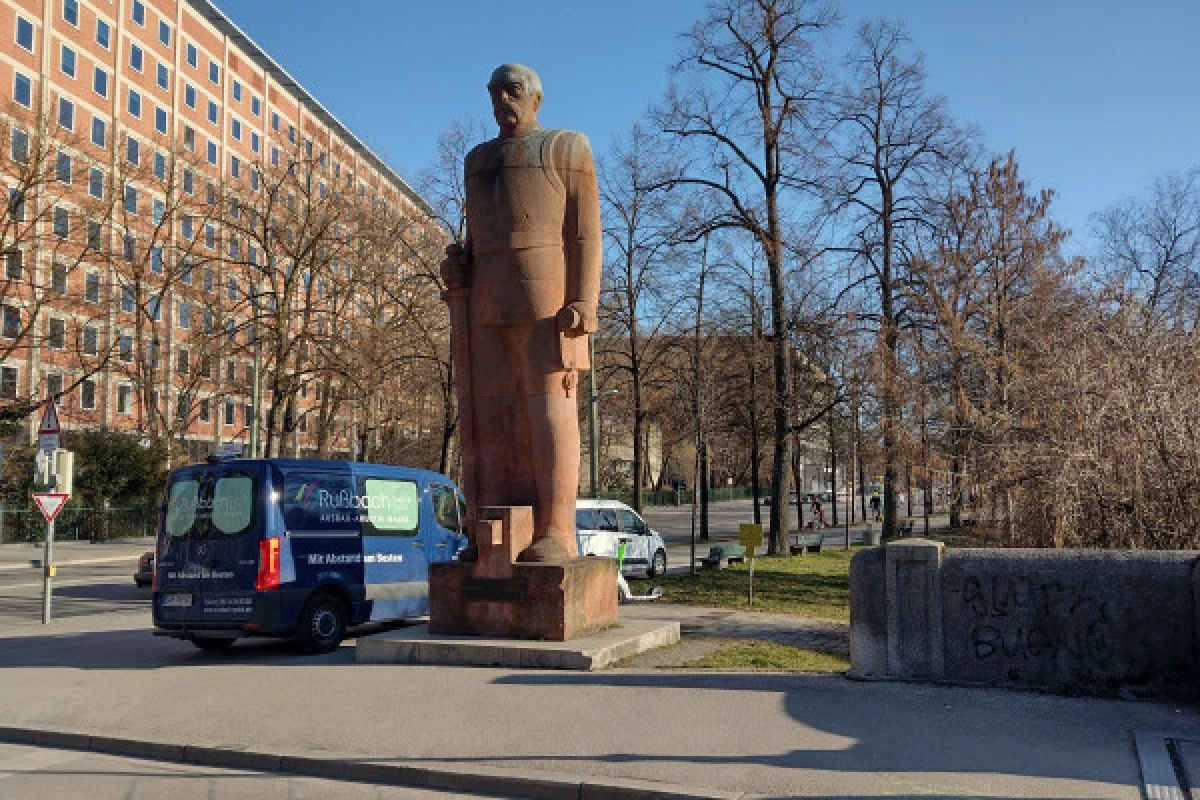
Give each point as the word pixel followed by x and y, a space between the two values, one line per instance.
pixel 49 502
pixel 750 536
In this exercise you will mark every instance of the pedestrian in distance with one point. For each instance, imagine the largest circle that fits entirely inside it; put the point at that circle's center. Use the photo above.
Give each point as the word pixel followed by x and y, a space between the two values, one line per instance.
pixel 875 505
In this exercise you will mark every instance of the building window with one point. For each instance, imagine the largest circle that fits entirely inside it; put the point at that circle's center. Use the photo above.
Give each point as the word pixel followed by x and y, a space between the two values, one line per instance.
pixel 135 57
pixel 237 91
pixel 181 361
pixel 16 205
pixel 205 370
pixel 205 410
pixel 184 314
pixel 292 134
pixel 125 348
pixel 95 236
pixel 87 394
pixel 62 167
pixel 133 150
pixel 156 257
pixel 131 199
pixel 209 284
pixel 124 398
pixel 14 265
pixel 160 120
pixel 207 321
pixel 164 32
pixel 274 156
pixel 235 128
pixel 129 248
pixel 62 222
pixel 214 72
pixel 191 54
pixel 91 287
pixel 154 307
pixel 70 11
pixel 66 114
pixel 232 288
pixel 22 90
pixel 91 340
pixel 20 146
pixel 139 12
pixel 254 179
pixel 135 104
pixel 152 353
pixel 54 385
pixel 100 82
pixel 56 338
pixel 185 271
pixel 160 166
pixel 255 106
pixel 10 327
pixel 187 227
pixel 8 383
pixel 128 300
pixel 58 278
pixel 96 183
pixel 254 142
pixel 66 61
pixel 25 33
pixel 229 410
pixel 210 237
pixel 189 138
pixel 210 194
pixel 164 77
pixel 189 96
pixel 99 132
pixel 102 33
pixel 212 153
pixel 212 112
pixel 234 167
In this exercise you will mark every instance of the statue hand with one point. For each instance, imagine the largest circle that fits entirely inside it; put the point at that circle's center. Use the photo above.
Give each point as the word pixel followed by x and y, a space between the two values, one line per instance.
pixel 577 318
pixel 455 267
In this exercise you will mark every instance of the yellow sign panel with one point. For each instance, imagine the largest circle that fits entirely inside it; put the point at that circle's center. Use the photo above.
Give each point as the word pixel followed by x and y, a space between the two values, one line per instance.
pixel 750 535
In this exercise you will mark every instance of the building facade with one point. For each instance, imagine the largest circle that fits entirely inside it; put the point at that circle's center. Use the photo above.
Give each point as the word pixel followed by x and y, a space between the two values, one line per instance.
pixel 163 173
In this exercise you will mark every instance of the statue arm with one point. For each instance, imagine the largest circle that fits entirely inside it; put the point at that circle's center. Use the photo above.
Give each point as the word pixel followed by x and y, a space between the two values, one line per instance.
pixel 582 234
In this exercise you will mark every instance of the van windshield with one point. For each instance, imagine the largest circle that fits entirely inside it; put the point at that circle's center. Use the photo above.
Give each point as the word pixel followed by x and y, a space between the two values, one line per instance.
pixel 210 504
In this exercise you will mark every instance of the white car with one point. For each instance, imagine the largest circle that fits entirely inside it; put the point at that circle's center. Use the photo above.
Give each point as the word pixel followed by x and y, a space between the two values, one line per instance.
pixel 602 525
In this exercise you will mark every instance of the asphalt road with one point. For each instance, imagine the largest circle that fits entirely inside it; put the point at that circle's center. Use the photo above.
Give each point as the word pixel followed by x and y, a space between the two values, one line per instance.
pixel 78 590
pixel 65 774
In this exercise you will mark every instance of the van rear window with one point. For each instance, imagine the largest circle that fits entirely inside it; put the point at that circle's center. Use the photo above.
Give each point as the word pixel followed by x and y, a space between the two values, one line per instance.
pixel 211 504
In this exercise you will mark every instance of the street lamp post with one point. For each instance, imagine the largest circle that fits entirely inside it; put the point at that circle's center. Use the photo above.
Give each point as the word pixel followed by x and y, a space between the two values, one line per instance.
pixel 593 396
pixel 256 391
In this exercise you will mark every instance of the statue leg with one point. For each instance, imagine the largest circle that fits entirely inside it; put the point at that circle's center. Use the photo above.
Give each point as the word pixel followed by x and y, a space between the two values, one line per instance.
pixel 502 439
pixel 554 445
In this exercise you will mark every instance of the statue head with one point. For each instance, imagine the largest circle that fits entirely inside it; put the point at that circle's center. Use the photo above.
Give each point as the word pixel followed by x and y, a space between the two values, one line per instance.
pixel 516 92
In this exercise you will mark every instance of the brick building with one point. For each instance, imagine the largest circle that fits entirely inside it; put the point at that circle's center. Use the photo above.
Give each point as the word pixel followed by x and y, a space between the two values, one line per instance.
pixel 162 175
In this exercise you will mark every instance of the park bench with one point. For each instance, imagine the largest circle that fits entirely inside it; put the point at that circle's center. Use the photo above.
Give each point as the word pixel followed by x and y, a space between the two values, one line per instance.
pixel 802 543
pixel 718 557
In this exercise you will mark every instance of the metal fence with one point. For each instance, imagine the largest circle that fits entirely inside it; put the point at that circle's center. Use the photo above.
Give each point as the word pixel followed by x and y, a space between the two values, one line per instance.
pixel 682 497
pixel 76 524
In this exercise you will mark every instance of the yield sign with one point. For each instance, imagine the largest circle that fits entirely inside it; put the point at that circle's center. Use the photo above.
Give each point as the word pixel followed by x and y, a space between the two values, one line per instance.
pixel 49 419
pixel 50 503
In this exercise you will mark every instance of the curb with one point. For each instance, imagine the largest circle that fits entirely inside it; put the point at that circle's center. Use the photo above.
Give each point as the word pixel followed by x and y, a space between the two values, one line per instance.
pixel 364 771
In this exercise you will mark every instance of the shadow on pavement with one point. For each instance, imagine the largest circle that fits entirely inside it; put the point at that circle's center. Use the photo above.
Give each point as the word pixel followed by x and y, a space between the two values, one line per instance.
pixel 899 728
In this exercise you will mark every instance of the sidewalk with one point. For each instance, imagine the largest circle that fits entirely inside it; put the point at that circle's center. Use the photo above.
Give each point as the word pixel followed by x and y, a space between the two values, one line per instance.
pixel 621 733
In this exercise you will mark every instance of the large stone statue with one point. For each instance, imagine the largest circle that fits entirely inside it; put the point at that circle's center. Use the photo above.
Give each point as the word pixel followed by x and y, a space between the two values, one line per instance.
pixel 523 291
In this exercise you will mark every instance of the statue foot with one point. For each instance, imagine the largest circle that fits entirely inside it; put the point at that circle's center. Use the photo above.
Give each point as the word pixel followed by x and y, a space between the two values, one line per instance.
pixel 544 551
pixel 469 554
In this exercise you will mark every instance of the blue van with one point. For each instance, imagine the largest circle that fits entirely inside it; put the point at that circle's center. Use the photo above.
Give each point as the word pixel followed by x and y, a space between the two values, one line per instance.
pixel 301 548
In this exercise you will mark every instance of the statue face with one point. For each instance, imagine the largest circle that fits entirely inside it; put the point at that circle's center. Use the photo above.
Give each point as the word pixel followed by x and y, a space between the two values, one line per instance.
pixel 514 107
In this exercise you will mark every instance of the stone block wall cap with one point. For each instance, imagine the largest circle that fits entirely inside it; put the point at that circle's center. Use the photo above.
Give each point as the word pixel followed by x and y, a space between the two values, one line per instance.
pixel 916 542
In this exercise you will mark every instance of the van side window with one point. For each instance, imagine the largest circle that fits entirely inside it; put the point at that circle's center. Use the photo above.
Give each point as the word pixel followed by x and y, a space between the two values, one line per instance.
pixel 584 519
pixel 320 501
pixel 606 519
pixel 390 507
pixel 445 507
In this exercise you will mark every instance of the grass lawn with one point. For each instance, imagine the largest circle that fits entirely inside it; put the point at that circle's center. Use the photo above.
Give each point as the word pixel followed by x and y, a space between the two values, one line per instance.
pixel 753 654
pixel 812 585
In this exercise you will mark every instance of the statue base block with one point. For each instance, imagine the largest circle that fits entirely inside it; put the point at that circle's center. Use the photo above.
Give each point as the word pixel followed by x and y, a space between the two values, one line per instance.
pixel 495 596
pixel 554 602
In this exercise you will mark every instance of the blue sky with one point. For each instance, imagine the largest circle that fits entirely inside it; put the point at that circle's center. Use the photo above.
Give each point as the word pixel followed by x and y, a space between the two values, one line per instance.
pixel 1097 97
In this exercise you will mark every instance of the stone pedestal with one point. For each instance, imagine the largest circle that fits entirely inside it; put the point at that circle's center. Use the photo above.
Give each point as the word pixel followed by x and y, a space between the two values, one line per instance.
pixel 495 596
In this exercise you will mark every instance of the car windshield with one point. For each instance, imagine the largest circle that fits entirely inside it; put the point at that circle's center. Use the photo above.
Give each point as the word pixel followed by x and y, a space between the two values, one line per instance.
pixel 208 504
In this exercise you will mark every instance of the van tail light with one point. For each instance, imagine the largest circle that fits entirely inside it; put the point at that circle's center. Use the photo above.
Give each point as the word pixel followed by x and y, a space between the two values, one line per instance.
pixel 268 564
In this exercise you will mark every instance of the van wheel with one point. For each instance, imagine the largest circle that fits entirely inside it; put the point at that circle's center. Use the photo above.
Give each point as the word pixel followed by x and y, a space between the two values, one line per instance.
pixel 214 644
pixel 322 624
pixel 658 565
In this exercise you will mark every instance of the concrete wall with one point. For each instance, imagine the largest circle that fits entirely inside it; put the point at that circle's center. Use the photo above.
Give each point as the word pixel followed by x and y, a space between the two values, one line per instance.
pixel 1068 620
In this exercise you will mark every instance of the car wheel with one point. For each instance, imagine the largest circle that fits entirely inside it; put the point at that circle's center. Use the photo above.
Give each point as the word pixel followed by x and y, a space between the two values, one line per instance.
pixel 214 644
pixel 322 624
pixel 658 565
